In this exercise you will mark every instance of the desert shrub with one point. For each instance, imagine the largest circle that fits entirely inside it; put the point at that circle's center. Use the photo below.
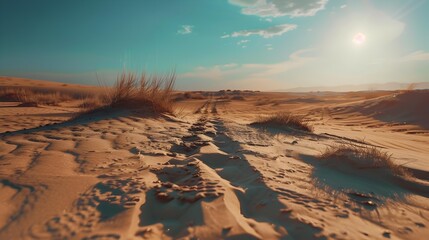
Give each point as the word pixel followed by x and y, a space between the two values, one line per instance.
pixel 263 101
pixel 133 91
pixel 238 97
pixel 10 94
pixel 348 156
pixel 284 120
pixel 193 95
pixel 90 103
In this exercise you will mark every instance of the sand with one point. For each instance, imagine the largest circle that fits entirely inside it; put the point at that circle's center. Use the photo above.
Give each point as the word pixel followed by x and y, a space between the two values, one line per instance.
pixel 207 174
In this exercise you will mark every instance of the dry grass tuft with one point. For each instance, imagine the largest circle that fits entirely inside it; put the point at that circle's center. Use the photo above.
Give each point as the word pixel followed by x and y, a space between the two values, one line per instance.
pixel 32 97
pixel 134 91
pixel 89 104
pixel 238 98
pixel 190 95
pixel 284 120
pixel 361 157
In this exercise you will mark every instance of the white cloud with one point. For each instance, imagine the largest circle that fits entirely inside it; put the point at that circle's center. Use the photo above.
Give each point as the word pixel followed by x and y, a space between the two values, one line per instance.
pixel 343 6
pixel 269 46
pixel 416 56
pixel 185 29
pixel 265 33
pixel 278 8
pixel 296 59
pixel 242 42
pixel 229 65
pixel 254 72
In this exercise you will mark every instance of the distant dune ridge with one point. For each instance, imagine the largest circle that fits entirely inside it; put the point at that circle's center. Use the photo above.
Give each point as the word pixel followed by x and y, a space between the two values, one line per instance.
pixel 406 107
pixel 362 87
pixel 144 161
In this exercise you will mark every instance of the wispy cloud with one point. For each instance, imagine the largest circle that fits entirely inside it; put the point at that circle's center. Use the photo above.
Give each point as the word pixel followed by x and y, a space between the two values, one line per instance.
pixel 265 33
pixel 185 29
pixel 295 60
pixel 416 56
pixel 253 72
pixel 242 42
pixel 278 8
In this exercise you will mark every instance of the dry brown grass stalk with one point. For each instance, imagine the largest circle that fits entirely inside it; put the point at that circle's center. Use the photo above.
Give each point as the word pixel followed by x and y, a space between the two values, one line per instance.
pixel 134 91
pixel 361 157
pixel 26 96
pixel 284 120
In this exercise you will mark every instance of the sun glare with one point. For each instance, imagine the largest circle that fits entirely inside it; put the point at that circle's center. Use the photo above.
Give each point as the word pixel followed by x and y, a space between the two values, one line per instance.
pixel 359 39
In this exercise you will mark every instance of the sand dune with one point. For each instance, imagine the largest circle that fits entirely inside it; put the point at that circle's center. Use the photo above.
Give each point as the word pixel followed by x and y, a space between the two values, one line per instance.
pixel 7 82
pixel 402 108
pixel 209 174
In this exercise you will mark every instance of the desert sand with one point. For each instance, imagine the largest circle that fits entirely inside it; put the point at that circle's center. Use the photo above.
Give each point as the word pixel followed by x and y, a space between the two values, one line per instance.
pixel 206 173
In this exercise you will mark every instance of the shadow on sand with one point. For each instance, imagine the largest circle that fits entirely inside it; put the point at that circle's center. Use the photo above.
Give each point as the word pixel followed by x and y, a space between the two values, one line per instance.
pixel 369 187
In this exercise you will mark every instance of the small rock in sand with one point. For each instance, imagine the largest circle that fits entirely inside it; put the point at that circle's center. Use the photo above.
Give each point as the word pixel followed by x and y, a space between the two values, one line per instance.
pixel 369 203
pixel 164 197
pixel 285 210
pixel 386 234
pixel 170 154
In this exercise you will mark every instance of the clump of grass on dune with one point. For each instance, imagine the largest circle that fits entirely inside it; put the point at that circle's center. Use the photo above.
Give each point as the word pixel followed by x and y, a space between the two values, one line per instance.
pixel 284 120
pixel 189 96
pixel 348 156
pixel 29 97
pixel 10 94
pixel 90 103
pixel 144 91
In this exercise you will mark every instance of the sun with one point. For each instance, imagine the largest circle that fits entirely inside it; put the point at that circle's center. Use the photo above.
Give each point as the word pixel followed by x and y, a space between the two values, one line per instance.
pixel 359 39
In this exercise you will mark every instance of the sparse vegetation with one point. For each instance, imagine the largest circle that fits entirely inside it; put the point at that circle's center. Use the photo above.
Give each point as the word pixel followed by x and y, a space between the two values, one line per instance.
pixel 361 157
pixel 284 120
pixel 29 97
pixel 130 91
pixel 238 98
pixel 133 91
pixel 90 103
pixel 263 101
pixel 190 95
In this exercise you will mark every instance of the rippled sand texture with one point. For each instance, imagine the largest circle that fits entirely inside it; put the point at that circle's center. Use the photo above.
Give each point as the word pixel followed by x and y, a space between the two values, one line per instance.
pixel 208 174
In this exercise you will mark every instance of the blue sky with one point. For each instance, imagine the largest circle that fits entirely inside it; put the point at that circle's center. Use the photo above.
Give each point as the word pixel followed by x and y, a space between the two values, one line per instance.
pixel 218 44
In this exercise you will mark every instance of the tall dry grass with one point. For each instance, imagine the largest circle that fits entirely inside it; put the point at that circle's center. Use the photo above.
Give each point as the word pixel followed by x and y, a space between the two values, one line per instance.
pixel 26 96
pixel 284 120
pixel 139 91
pixel 360 158
pixel 90 103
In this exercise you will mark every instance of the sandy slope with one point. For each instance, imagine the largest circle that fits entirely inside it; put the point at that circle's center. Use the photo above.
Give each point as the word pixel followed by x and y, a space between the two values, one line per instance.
pixel 209 175
pixel 8 82
pixel 13 118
